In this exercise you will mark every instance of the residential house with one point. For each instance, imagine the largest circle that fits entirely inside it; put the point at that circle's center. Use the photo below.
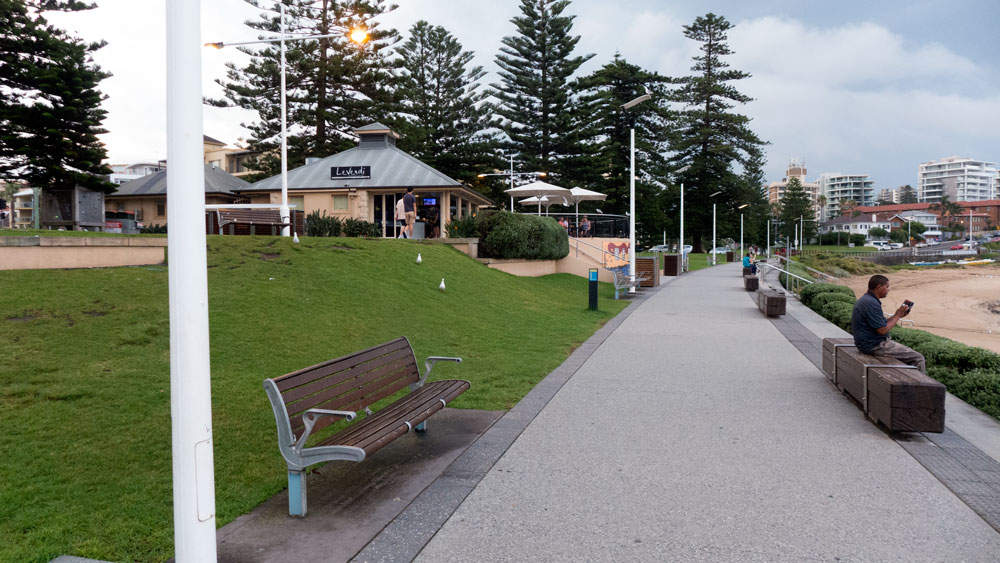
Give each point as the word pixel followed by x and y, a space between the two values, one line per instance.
pixel 147 196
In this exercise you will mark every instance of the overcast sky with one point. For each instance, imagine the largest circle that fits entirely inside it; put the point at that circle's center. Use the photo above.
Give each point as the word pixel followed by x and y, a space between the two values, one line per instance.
pixel 855 86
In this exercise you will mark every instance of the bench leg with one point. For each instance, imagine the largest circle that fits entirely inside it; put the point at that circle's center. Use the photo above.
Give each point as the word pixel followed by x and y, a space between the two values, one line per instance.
pixel 422 427
pixel 297 493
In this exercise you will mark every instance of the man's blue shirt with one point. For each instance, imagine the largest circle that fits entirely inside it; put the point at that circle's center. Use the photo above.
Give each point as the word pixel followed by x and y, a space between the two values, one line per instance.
pixel 865 319
pixel 746 261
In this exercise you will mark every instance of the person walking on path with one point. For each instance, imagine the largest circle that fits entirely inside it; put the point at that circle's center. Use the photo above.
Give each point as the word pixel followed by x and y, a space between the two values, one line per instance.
pixel 871 328
pixel 401 218
pixel 410 210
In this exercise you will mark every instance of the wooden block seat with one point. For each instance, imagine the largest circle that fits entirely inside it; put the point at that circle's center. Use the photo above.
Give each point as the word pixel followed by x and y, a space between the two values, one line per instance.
pixel 747 271
pixel 310 399
pixel 750 282
pixel 895 394
pixel 771 302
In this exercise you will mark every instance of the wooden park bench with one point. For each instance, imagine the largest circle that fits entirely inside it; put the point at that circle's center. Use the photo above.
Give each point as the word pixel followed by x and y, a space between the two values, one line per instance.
pixel 891 392
pixel 622 281
pixel 750 282
pixel 771 302
pixel 747 271
pixel 312 398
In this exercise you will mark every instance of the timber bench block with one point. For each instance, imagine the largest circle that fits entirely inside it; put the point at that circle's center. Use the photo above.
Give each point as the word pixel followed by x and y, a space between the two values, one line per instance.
pixel 897 395
pixel 747 271
pixel 771 302
pixel 750 282
pixel 312 398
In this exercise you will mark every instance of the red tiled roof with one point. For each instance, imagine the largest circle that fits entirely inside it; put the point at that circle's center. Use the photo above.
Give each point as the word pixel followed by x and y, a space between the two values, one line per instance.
pixel 898 207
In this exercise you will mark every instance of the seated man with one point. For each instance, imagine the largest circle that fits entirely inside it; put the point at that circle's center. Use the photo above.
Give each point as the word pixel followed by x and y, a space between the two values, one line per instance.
pixel 749 263
pixel 871 328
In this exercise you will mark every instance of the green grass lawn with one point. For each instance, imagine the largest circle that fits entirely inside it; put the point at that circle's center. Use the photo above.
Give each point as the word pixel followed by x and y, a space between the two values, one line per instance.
pixel 85 382
pixel 840 249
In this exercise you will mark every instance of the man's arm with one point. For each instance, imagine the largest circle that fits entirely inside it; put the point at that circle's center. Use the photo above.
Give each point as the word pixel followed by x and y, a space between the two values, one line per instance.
pixel 891 321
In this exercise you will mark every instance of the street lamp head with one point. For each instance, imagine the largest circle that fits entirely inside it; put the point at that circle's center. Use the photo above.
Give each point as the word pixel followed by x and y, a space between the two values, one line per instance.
pixel 637 101
pixel 216 45
pixel 682 170
pixel 715 194
pixel 542 174
pixel 742 206
pixel 480 175
pixel 359 35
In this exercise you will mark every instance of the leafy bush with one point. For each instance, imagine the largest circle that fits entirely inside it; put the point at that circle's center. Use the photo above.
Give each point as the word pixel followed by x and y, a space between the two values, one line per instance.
pixel 838 313
pixel 979 387
pixel 463 228
pixel 815 289
pixel 858 240
pixel 361 228
pixel 945 352
pixel 821 299
pixel 509 235
pixel 154 229
pixel 323 225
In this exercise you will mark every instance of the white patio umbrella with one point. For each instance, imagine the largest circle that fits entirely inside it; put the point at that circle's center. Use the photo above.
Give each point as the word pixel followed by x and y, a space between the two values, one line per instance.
pixel 579 194
pixel 544 200
pixel 538 189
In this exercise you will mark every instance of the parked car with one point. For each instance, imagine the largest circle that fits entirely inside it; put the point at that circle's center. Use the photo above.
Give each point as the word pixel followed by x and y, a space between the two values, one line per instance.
pixel 688 248
pixel 895 245
pixel 880 245
pixel 719 250
pixel 921 245
pixel 956 247
pixel 660 248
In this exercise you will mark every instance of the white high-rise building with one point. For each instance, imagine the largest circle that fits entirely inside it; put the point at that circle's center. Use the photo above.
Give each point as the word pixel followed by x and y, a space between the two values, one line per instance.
pixel 838 187
pixel 959 178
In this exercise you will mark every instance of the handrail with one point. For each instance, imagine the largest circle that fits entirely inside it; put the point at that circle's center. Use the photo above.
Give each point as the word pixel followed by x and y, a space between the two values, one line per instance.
pixel 603 252
pixel 786 272
pixel 818 273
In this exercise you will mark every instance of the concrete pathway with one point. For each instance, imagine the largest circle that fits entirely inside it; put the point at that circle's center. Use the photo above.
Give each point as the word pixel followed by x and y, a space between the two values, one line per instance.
pixel 698 432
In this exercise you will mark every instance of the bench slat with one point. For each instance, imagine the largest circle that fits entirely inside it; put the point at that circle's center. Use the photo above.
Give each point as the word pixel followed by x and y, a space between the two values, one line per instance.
pixel 347 377
pixel 306 375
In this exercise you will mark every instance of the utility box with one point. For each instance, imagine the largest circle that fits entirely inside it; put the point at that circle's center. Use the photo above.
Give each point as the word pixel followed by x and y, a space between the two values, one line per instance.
pixel 76 209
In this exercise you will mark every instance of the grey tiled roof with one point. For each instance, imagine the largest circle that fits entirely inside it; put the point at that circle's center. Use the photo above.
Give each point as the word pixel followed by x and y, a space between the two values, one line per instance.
pixel 217 181
pixel 390 168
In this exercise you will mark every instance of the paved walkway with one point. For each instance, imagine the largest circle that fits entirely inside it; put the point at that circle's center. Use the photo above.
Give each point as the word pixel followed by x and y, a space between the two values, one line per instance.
pixel 659 448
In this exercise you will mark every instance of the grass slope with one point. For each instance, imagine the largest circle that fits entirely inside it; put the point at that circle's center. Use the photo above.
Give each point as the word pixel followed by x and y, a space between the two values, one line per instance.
pixel 85 382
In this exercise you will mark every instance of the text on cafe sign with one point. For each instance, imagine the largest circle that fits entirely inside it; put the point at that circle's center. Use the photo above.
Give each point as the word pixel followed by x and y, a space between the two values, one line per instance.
pixel 350 172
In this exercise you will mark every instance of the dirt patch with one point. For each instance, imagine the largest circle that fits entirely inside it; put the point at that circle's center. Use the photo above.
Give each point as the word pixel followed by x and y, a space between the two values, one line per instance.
pixel 95 313
pixel 335 247
pixel 269 255
pixel 22 319
pixel 992 306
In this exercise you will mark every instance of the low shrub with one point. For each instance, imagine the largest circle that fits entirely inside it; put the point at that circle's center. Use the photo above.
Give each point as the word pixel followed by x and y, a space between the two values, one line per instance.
pixel 463 228
pixel 509 235
pixel 822 299
pixel 838 313
pixel 980 388
pixel 817 288
pixel 323 225
pixel 944 352
pixel 154 229
pixel 361 228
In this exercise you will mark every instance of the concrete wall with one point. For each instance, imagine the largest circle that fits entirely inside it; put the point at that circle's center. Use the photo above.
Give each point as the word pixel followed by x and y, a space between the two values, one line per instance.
pixel 40 253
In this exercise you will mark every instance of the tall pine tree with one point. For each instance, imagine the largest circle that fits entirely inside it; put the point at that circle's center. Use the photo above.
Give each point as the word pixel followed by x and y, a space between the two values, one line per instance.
pixel 50 114
pixel 445 118
pixel 796 212
pixel 332 84
pixel 603 93
pixel 540 115
pixel 712 138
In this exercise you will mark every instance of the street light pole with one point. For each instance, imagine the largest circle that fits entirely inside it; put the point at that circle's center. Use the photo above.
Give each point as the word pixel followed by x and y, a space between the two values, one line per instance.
pixel 631 192
pixel 741 227
pixel 712 252
pixel 680 241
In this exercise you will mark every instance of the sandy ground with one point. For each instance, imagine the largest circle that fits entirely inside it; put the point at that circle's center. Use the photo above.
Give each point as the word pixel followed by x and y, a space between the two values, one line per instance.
pixel 961 304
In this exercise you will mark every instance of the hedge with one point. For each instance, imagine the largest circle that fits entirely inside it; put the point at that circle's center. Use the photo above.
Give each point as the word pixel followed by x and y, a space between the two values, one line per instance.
pixel 808 292
pixel 838 313
pixel 823 298
pixel 508 235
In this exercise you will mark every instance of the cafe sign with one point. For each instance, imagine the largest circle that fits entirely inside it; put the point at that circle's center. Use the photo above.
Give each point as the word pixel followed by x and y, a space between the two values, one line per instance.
pixel 350 172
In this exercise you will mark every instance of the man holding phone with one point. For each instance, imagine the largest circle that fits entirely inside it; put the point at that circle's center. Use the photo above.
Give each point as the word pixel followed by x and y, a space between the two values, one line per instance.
pixel 871 328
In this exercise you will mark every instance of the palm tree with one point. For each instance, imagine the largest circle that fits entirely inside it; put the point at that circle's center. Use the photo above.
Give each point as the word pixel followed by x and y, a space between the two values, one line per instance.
pixel 821 202
pixel 847 206
pixel 949 209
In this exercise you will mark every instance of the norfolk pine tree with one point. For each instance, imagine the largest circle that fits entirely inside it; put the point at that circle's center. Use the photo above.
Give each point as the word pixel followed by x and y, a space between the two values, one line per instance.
pixel 539 112
pixel 444 118
pixel 712 138
pixel 795 204
pixel 50 114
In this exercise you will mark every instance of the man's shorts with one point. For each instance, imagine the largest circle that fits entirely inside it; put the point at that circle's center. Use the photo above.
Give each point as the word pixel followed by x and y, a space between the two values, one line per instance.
pixel 411 216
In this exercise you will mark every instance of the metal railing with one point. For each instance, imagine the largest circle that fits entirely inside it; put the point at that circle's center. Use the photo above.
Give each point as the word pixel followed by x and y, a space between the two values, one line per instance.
pixel 603 254
pixel 793 282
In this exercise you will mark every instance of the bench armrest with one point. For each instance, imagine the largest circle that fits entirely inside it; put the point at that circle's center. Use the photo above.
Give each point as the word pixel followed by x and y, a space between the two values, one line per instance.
pixel 309 419
pixel 429 365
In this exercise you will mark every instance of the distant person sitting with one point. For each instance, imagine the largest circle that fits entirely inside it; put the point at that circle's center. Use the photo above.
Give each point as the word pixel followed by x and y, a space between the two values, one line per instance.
pixel 584 227
pixel 871 328
pixel 749 263
pixel 563 223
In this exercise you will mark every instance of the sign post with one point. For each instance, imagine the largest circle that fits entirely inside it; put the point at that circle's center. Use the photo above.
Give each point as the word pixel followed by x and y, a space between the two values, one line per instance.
pixel 593 289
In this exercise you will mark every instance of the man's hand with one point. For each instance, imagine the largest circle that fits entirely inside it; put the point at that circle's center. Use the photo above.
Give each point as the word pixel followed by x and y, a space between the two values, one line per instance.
pixel 902 311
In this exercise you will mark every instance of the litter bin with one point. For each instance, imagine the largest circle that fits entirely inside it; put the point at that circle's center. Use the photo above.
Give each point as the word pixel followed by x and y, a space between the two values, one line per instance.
pixel 671 264
pixel 729 256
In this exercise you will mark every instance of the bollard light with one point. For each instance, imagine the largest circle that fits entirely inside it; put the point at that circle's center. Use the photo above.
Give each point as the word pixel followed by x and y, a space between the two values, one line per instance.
pixel 593 288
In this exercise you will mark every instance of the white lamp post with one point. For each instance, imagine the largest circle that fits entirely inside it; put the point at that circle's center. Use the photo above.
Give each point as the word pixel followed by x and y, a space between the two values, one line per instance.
pixel 190 371
pixel 511 175
pixel 631 192
pixel 714 256
pixel 358 35
pixel 680 241
pixel 741 227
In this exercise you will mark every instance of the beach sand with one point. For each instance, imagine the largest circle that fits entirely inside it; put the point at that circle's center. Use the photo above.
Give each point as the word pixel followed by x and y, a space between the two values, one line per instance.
pixel 962 304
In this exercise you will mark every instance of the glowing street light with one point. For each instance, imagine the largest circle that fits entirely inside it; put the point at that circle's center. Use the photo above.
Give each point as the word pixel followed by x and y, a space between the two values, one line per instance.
pixel 358 35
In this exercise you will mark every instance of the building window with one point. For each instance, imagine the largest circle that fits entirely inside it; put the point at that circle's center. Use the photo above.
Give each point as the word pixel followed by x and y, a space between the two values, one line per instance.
pixel 138 214
pixel 340 203
pixel 161 209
